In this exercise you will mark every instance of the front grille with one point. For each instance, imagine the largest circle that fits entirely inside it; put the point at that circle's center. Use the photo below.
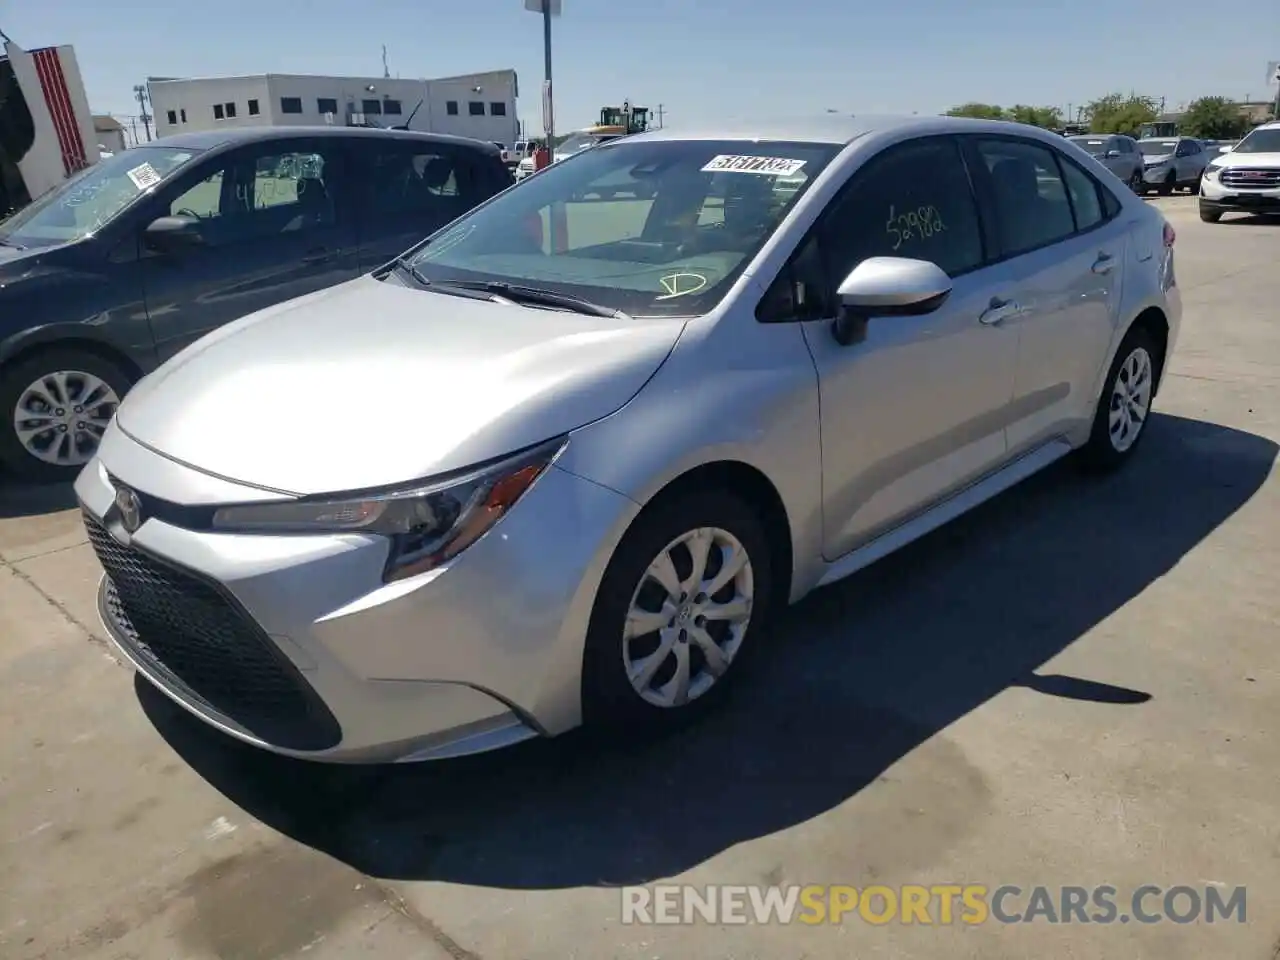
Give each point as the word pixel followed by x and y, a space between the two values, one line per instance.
pixel 1262 178
pixel 201 642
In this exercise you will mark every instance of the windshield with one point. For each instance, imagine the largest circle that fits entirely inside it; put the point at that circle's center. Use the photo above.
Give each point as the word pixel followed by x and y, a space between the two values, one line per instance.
pixel 82 205
pixel 1091 145
pixel 1260 141
pixel 652 228
pixel 1157 148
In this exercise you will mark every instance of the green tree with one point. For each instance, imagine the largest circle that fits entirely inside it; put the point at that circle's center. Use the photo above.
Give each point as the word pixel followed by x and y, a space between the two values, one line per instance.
pixel 980 111
pixel 1050 118
pixel 1213 118
pixel 1120 113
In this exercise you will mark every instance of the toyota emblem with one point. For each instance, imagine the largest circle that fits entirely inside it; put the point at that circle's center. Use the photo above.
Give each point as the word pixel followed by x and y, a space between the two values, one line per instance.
pixel 130 508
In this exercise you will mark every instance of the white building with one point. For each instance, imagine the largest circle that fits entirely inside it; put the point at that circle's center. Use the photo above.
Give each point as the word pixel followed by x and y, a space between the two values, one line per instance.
pixel 478 105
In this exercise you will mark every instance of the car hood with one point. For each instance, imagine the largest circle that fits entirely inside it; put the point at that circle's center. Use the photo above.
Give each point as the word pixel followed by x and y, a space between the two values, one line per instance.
pixel 1247 160
pixel 372 383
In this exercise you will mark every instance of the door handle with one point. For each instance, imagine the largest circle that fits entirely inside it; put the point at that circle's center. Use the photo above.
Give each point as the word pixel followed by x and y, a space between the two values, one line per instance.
pixel 1104 264
pixel 317 256
pixel 999 311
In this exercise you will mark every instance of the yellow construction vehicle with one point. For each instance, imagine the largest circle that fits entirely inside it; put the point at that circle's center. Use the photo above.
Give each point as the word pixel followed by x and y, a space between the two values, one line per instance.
pixel 621 121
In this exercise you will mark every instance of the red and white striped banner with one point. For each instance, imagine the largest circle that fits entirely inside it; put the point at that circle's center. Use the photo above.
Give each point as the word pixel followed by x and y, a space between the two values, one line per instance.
pixel 58 98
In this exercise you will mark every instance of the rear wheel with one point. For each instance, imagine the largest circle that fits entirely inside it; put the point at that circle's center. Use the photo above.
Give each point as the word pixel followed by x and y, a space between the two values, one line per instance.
pixel 54 408
pixel 682 607
pixel 1125 404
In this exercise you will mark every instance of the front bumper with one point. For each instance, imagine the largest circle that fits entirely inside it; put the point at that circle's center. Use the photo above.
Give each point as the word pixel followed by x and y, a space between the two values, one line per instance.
pixel 1156 175
pixel 1216 196
pixel 295 644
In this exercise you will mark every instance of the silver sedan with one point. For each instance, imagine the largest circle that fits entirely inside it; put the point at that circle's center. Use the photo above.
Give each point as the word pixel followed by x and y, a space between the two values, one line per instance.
pixel 569 458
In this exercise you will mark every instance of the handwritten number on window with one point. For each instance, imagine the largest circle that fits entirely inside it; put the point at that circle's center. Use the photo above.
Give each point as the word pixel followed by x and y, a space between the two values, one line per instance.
pixel 920 223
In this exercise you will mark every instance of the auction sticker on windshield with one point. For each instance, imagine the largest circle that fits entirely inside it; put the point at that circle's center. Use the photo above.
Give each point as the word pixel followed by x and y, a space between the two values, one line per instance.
pixel 144 176
pixel 767 166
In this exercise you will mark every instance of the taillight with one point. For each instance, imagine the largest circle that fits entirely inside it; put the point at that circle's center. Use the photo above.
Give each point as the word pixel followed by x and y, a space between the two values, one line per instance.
pixel 1169 235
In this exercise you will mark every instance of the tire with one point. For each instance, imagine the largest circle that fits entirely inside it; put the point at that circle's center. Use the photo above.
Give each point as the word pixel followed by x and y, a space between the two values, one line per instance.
pixel 610 700
pixel 1135 182
pixel 1208 215
pixel 1104 451
pixel 78 370
pixel 1166 188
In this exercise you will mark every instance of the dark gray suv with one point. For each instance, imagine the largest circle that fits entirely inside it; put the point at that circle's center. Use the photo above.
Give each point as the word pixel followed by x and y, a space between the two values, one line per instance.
pixel 108 276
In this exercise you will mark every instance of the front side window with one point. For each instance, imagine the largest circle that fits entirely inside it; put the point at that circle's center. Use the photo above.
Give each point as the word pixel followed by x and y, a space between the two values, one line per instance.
pixel 1260 141
pixel 658 228
pixel 1031 206
pixel 87 202
pixel 913 200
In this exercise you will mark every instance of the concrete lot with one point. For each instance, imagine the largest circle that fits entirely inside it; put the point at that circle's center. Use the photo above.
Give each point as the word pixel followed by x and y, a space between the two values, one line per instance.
pixel 1080 684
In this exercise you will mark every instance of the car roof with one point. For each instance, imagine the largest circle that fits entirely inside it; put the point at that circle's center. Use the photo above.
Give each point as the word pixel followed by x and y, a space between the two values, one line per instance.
pixel 832 129
pixel 237 136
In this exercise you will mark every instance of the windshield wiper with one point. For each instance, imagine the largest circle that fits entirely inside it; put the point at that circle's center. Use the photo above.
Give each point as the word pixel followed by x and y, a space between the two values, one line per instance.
pixel 10 243
pixel 539 296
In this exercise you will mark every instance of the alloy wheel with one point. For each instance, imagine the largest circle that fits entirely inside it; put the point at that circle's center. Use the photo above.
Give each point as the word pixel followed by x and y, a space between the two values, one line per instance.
pixel 688 617
pixel 1130 400
pixel 60 418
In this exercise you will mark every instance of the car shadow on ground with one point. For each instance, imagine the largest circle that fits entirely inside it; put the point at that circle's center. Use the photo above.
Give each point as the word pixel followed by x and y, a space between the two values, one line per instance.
pixel 858 675
pixel 32 500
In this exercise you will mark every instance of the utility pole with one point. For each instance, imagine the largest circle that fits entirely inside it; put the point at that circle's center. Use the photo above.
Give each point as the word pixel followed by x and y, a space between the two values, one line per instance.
pixel 140 93
pixel 661 114
pixel 386 74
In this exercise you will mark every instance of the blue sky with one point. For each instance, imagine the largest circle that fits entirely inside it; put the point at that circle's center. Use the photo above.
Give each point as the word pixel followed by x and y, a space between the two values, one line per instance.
pixel 701 59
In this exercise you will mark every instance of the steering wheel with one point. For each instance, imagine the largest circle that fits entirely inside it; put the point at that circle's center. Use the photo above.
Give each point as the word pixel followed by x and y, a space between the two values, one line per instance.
pixel 188 212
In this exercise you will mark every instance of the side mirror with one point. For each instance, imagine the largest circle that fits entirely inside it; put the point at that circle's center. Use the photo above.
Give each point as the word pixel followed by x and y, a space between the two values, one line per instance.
pixel 170 234
pixel 1226 149
pixel 1111 154
pixel 887 287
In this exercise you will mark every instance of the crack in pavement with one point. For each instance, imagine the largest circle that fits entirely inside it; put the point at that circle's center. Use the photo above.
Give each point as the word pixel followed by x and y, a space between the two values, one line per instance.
pixel 48 598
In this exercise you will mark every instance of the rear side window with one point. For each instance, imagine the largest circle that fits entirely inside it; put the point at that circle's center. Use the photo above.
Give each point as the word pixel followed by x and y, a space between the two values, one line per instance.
pixel 1030 198
pixel 1083 191
pixel 407 179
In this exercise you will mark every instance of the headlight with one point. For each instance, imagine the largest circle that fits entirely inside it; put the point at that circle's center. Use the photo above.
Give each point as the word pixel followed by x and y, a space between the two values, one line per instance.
pixel 427 524
pixel 1212 168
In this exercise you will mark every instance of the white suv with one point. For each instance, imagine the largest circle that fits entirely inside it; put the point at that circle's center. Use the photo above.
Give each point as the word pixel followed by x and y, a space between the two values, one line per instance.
pixel 1246 179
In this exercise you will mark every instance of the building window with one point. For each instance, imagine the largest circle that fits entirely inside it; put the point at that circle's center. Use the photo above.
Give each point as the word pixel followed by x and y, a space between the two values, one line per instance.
pixel 327 105
pixel 182 113
pixel 451 108
pixel 391 108
pixel 368 107
pixel 475 108
pixel 173 116
pixel 231 110
pixel 253 108
pixel 290 104
pixel 497 109
pixel 217 111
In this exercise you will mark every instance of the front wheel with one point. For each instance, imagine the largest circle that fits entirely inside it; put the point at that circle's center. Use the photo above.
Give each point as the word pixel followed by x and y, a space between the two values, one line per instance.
pixel 1209 215
pixel 55 406
pixel 1125 403
pixel 1171 181
pixel 682 606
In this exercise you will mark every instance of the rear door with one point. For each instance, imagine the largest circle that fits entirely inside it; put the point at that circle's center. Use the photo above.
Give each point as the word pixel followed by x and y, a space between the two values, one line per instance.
pixel 276 221
pixel 1063 248
pixel 409 189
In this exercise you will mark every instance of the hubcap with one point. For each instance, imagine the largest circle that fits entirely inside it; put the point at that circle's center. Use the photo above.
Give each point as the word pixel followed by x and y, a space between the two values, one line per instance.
pixel 688 617
pixel 61 417
pixel 1130 400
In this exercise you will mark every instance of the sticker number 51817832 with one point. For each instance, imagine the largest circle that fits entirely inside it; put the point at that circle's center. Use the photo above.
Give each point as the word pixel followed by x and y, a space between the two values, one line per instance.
pixel 914 224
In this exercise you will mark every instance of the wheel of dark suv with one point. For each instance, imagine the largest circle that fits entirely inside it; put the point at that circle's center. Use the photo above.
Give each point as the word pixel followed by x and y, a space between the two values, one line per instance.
pixel 1171 181
pixel 1209 215
pixel 54 407
pixel 683 605
pixel 1125 403
pixel 1136 182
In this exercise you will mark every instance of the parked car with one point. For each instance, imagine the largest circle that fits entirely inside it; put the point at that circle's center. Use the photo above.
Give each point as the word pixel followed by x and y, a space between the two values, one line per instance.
pixel 108 276
pixel 504 485
pixel 1172 163
pixel 1246 179
pixel 573 144
pixel 1117 153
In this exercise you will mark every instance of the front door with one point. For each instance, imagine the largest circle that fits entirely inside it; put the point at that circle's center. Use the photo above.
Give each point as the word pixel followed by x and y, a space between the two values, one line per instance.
pixel 1064 246
pixel 275 221
pixel 918 409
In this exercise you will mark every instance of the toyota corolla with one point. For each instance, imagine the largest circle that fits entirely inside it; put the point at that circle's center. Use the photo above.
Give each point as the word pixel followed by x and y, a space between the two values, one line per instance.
pixel 567 459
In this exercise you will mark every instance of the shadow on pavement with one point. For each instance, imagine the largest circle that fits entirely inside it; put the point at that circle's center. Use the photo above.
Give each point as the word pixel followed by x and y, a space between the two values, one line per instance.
pixel 859 674
pixel 31 500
